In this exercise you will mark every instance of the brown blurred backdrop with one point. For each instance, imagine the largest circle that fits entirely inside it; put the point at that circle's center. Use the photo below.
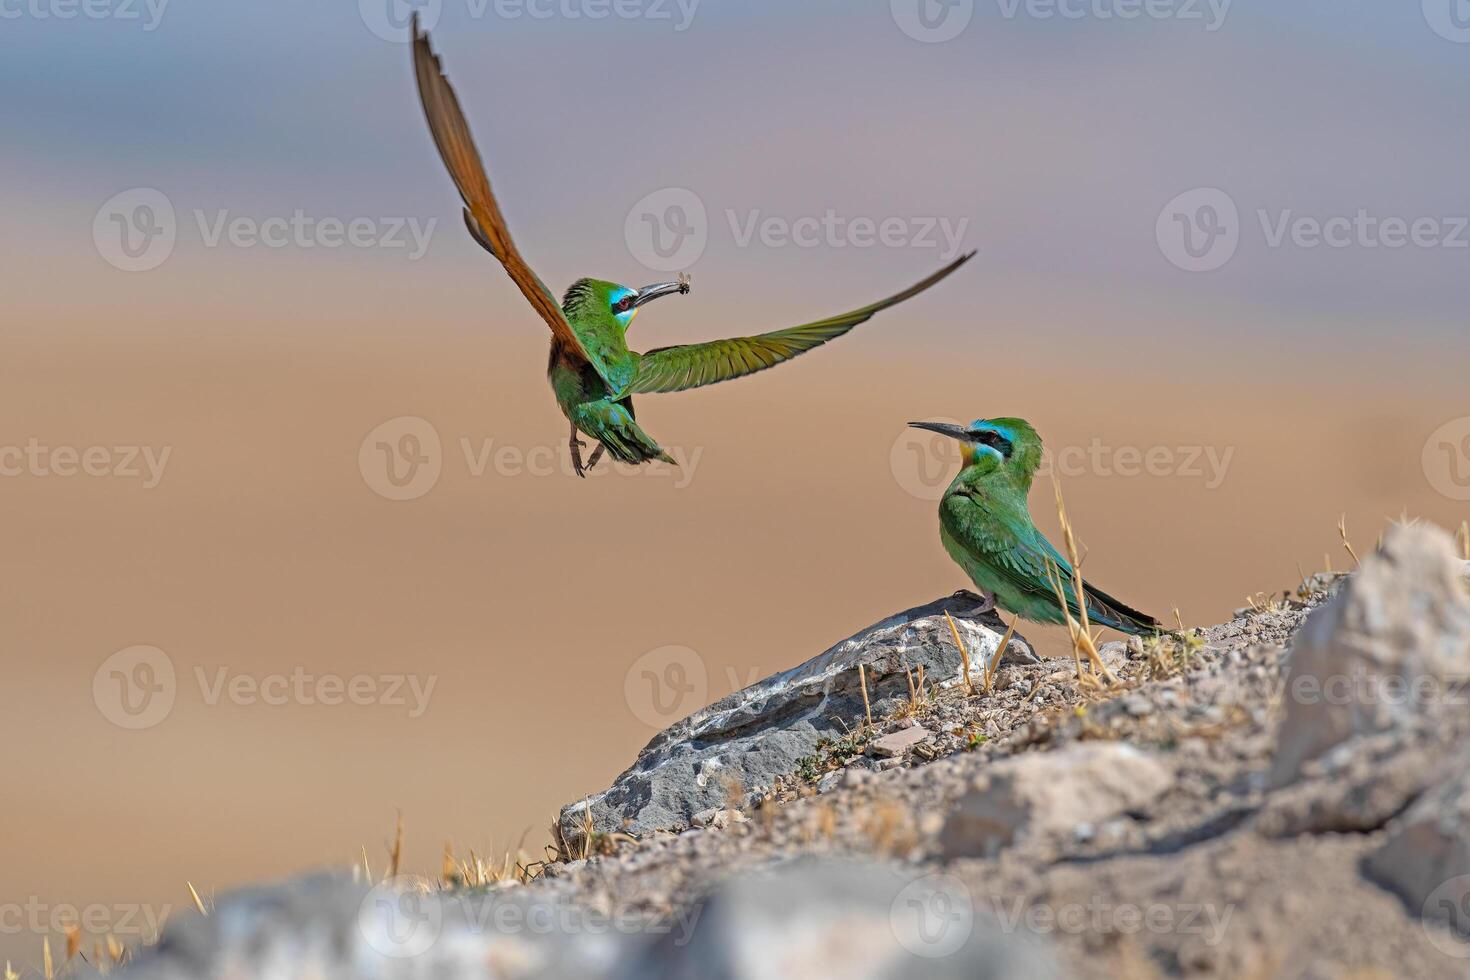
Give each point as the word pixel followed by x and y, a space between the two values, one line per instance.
pixel 1285 389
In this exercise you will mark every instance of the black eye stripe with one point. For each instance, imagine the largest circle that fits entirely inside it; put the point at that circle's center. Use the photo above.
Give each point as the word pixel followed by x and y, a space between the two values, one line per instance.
pixel 996 441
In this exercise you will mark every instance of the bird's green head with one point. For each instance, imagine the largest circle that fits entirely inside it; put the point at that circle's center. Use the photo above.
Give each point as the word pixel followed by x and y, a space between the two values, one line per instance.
pixel 1009 446
pixel 595 300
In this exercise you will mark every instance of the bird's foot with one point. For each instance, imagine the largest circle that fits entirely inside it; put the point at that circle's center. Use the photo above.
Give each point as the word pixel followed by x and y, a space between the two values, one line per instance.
pixel 987 602
pixel 575 447
pixel 596 455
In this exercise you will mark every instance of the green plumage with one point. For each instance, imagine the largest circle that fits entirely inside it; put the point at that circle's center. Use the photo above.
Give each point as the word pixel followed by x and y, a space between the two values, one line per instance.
pixel 592 372
pixel 985 525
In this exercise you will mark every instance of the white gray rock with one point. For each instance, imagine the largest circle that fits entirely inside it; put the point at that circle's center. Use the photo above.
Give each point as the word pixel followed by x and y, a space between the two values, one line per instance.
pixel 1426 858
pixel 1051 793
pixel 899 742
pixel 1386 652
pixel 839 919
pixel 328 927
pixel 808 919
pixel 747 739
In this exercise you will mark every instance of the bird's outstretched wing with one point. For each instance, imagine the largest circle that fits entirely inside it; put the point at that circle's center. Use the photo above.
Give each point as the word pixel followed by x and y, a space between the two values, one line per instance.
pixel 482 213
pixel 694 365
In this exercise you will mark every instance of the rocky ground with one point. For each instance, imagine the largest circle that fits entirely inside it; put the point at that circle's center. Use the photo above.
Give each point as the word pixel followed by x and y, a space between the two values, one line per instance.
pixel 1283 795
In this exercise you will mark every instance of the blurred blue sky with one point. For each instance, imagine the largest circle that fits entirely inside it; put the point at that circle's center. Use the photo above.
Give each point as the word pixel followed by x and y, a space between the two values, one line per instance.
pixel 1059 139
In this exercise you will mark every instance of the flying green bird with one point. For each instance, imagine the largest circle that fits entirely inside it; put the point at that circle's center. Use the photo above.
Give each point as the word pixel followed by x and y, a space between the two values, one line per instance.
pixel 592 372
pixel 985 525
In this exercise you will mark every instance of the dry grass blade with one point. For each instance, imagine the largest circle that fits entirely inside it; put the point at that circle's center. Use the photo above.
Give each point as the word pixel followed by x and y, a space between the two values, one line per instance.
pixel 1000 651
pixel 867 705
pixel 447 866
pixel 198 902
pixel 367 869
pixel 1082 634
pixel 396 853
pixel 115 948
pixel 73 941
pixel 48 968
pixel 964 654
pixel 1342 533
pixel 589 831
pixel 1053 575
pixel 1464 536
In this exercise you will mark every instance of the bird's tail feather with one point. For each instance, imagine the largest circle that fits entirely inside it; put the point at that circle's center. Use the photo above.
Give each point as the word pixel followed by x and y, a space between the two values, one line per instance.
pixel 612 424
pixel 1117 615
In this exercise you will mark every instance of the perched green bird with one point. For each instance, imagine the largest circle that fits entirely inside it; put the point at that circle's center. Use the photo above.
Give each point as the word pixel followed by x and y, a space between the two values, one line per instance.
pixel 592 371
pixel 985 525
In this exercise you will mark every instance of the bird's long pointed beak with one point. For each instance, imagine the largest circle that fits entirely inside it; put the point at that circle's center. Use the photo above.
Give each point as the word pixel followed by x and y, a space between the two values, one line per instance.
pixel 650 293
pixel 944 428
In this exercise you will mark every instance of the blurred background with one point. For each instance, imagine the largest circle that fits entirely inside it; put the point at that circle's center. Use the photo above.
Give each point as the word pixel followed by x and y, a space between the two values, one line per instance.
pixel 291 541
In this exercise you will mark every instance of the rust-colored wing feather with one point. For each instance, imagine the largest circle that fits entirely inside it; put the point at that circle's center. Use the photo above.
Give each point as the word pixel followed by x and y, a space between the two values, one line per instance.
pixel 482 213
